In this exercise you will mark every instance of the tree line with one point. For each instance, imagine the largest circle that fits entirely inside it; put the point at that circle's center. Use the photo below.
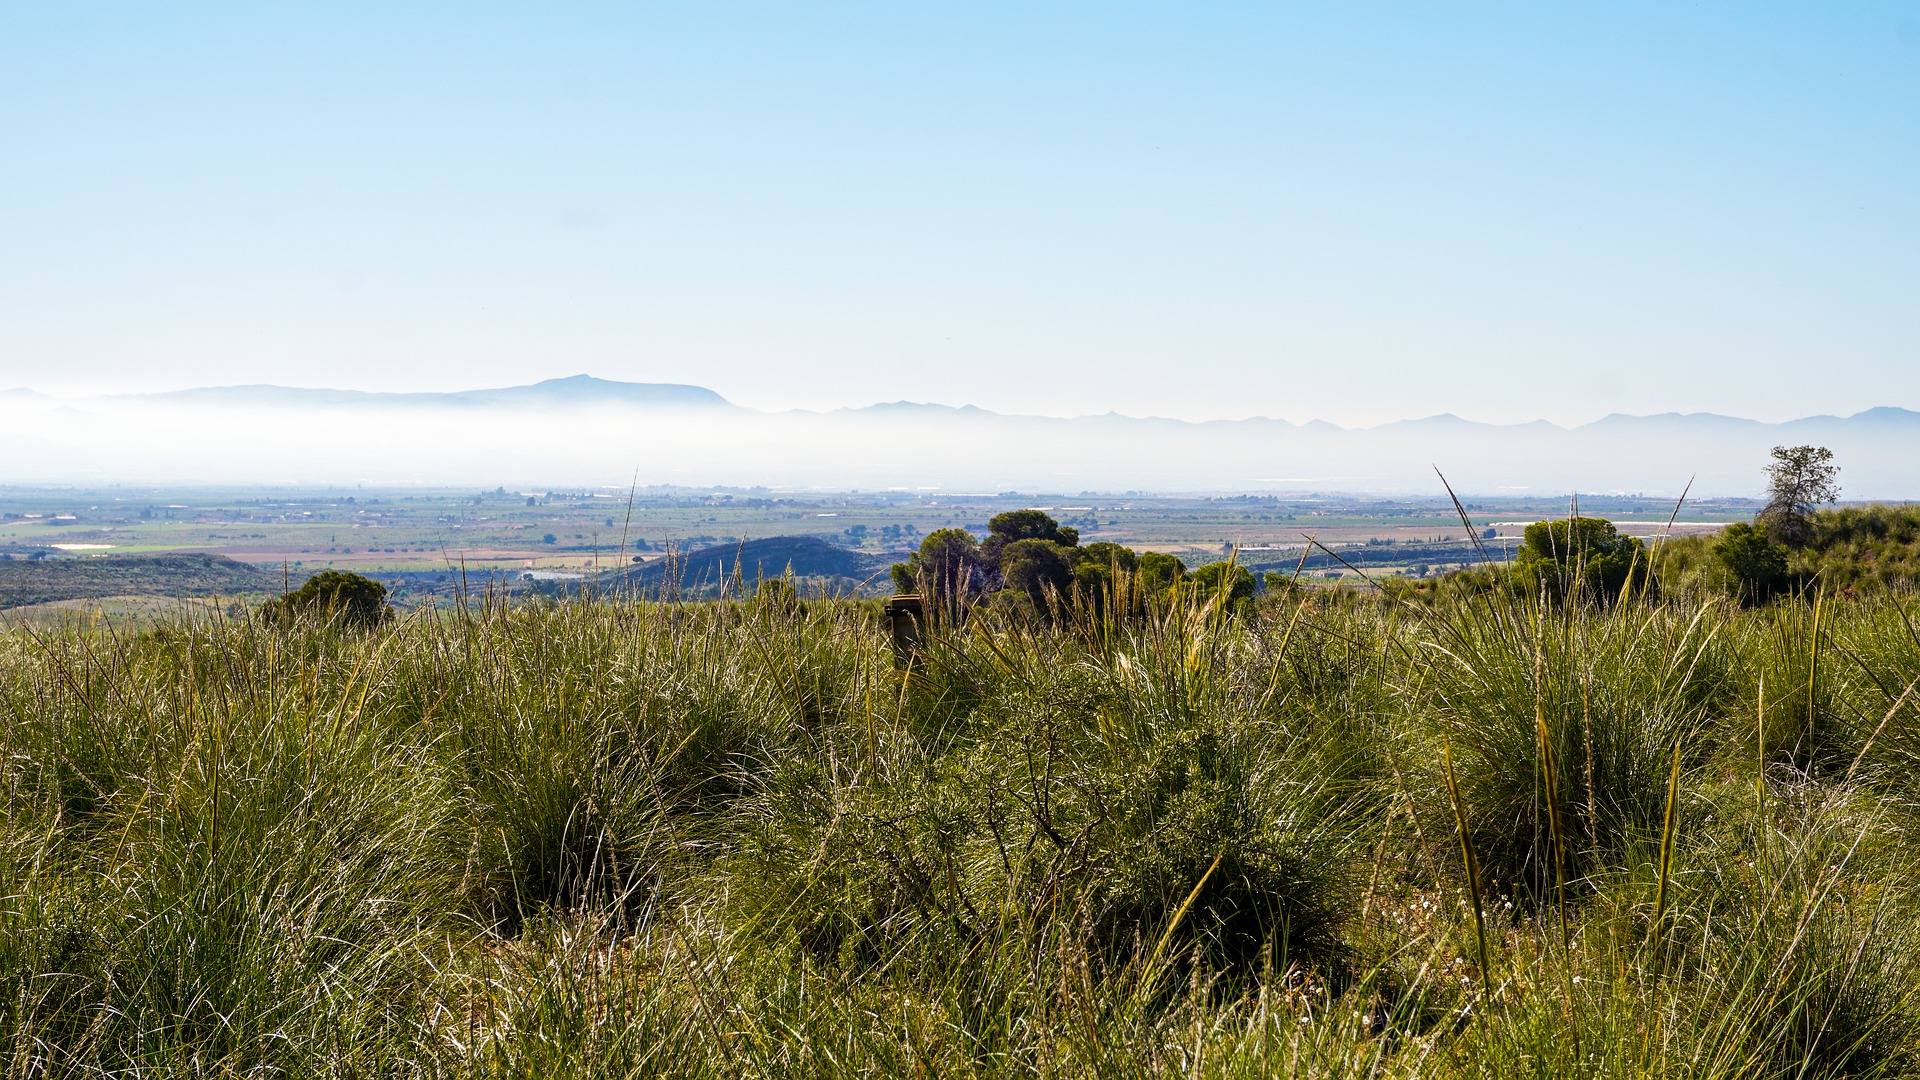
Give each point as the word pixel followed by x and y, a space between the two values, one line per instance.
pixel 1031 562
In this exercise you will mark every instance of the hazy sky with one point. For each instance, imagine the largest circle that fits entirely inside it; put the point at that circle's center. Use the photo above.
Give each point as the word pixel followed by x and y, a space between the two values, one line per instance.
pixel 1356 212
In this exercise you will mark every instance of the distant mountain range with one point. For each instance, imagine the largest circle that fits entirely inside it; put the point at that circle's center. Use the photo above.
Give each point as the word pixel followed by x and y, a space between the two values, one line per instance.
pixel 598 431
pixel 572 391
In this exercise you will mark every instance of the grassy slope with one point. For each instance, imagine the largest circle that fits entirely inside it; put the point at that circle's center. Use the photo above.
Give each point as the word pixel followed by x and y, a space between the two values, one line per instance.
pixel 43 581
pixel 117 611
pixel 1854 548
pixel 732 841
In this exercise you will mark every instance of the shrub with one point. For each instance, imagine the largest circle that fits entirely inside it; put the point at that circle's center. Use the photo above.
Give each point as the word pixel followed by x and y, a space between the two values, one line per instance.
pixel 1038 570
pixel 1017 525
pixel 1559 722
pixel 948 570
pixel 1756 564
pixel 335 594
pixel 1159 570
pixel 1279 891
pixel 1582 557
pixel 1232 583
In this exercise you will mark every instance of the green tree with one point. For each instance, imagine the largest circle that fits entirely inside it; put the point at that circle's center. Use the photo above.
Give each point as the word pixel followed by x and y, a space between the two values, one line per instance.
pixel 948 567
pixel 1017 525
pixel 1235 580
pixel 1158 571
pixel 1098 569
pixel 1581 554
pixel 1107 556
pixel 1037 568
pixel 1278 584
pixel 1757 564
pixel 1798 481
pixel 335 594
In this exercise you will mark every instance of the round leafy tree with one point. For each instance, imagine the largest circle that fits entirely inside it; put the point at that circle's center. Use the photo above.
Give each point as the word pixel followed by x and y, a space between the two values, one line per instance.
pixel 1582 554
pixel 1757 565
pixel 1095 567
pixel 1235 581
pixel 1159 570
pixel 947 568
pixel 1017 525
pixel 335 594
pixel 1037 568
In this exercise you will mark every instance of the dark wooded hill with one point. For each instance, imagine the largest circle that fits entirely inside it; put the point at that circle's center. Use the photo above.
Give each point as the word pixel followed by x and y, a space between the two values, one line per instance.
pixel 42 581
pixel 808 557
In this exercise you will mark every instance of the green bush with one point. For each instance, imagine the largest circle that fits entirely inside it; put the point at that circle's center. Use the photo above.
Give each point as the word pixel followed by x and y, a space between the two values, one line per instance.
pixel 1231 583
pixel 1756 565
pixel 1279 892
pixel 948 570
pixel 1039 570
pixel 334 594
pixel 1582 557
pixel 1562 724
pixel 1017 525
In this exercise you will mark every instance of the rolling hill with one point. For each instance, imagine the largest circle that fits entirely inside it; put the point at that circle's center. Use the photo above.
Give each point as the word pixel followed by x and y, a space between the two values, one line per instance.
pixel 41 581
pixel 808 557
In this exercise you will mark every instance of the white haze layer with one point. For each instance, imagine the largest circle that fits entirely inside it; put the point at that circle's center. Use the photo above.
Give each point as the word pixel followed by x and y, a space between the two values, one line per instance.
pixel 155 440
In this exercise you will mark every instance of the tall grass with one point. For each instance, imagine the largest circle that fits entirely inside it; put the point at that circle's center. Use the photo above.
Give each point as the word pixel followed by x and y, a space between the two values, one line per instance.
pixel 1493 835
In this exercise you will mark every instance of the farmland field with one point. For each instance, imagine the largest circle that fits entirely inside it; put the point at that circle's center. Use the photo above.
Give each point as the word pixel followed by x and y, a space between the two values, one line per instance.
pixel 400 535
pixel 1328 836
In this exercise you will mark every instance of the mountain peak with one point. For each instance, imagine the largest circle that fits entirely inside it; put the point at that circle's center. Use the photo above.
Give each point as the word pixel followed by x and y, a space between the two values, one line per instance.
pixel 590 390
pixel 1886 414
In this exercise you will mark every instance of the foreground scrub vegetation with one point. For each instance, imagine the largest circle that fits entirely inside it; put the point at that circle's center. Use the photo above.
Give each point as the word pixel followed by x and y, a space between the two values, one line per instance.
pixel 1328 836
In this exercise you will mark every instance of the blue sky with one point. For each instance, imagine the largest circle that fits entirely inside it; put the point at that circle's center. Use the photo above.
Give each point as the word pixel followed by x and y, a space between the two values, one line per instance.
pixel 1360 213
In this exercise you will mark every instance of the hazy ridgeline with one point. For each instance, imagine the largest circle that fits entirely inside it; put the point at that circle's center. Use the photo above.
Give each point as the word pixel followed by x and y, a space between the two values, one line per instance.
pixel 730 840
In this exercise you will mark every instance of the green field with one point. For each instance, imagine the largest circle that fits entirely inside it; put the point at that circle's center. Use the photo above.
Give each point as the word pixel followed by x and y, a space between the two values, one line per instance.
pixel 1330 836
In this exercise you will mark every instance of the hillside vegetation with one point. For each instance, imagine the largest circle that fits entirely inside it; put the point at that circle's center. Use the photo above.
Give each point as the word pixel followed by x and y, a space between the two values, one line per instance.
pixel 1325 836
pixel 1848 551
pixel 1856 548
pixel 742 566
pixel 42 581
